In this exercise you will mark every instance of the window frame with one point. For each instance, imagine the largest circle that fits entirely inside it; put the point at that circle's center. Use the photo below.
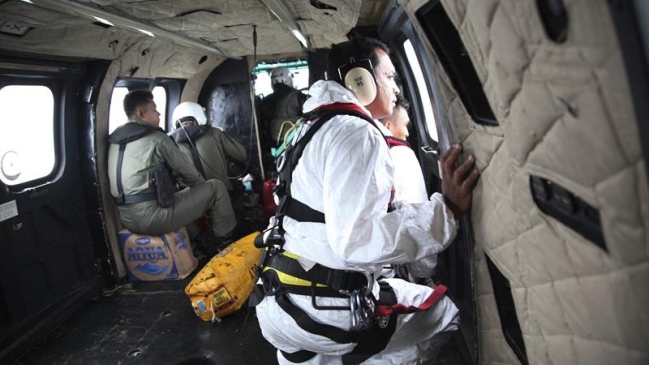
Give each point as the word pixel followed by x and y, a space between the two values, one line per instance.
pixel 173 89
pixel 461 72
pixel 55 85
pixel 293 64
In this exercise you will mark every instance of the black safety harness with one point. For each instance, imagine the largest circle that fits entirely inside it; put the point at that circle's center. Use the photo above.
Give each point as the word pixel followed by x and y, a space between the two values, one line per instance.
pixel 122 136
pixel 189 136
pixel 373 320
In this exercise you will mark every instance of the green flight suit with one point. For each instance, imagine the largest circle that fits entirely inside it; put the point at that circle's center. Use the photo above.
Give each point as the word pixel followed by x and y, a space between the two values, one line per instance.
pixel 141 158
pixel 214 147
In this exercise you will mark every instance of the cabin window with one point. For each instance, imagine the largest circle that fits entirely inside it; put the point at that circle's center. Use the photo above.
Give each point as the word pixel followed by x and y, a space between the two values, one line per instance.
pixel 27 150
pixel 413 62
pixel 117 117
pixel 160 98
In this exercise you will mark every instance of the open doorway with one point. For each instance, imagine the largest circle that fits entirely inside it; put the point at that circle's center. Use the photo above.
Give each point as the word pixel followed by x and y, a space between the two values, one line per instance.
pixel 299 68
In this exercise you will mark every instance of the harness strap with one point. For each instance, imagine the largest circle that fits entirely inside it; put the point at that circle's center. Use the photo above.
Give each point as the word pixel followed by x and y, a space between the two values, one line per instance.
pixel 302 212
pixel 136 198
pixel 133 198
pixel 368 343
pixel 271 281
pixel 123 135
pixel 288 205
pixel 308 324
pixel 299 356
pixel 433 298
pixel 196 158
pixel 318 274
pixel 120 160
pixel 394 141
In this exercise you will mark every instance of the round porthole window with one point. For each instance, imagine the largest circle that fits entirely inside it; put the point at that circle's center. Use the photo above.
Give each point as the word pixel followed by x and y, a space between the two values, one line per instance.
pixel 10 165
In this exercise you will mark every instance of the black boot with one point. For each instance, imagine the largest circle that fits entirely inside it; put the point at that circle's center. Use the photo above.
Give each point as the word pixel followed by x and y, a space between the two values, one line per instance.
pixel 207 244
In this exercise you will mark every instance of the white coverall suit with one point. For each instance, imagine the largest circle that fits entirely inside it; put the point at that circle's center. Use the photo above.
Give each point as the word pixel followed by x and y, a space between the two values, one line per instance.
pixel 410 187
pixel 346 173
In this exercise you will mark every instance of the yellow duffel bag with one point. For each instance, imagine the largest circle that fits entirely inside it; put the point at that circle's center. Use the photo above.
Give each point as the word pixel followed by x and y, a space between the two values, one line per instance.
pixel 223 286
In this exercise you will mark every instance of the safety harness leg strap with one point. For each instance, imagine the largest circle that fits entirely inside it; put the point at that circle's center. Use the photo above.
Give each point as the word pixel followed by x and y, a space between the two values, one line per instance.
pixel 306 323
pixel 299 356
pixel 369 343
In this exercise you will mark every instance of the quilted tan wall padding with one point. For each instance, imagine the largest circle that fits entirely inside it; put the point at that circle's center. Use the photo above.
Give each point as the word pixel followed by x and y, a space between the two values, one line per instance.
pixel 565 114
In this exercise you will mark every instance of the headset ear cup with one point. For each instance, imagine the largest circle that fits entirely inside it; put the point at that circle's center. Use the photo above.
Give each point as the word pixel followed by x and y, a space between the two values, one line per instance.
pixel 361 82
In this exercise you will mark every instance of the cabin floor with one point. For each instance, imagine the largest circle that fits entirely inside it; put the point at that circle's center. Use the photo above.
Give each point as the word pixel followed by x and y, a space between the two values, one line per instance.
pixel 151 323
pixel 154 323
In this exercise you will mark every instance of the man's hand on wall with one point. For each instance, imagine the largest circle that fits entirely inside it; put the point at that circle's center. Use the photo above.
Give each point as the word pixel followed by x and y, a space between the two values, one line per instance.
pixel 458 181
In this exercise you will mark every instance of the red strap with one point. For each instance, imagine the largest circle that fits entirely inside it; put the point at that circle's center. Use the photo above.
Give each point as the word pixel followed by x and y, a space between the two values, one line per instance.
pixel 348 106
pixel 394 141
pixel 434 297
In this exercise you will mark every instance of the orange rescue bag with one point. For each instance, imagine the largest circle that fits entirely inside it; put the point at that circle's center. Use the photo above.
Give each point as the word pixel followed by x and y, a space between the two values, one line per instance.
pixel 223 286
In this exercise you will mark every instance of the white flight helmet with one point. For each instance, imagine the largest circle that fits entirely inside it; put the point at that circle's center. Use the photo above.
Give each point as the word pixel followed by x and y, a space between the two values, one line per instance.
pixel 281 75
pixel 189 109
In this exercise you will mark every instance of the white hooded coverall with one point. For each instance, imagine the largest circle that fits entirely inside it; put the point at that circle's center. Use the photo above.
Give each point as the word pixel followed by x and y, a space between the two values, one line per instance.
pixel 410 187
pixel 346 172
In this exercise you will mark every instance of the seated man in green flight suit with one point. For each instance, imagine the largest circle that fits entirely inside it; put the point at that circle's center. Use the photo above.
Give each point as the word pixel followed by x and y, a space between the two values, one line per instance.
pixel 138 151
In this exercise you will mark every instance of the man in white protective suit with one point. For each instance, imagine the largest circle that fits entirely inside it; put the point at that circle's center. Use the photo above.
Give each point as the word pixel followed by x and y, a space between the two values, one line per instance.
pixel 409 186
pixel 318 301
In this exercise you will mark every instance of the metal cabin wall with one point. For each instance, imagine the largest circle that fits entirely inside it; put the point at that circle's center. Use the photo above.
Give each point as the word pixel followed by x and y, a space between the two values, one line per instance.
pixel 46 259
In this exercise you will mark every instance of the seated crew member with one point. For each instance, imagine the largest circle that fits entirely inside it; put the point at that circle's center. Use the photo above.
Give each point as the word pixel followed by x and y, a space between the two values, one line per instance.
pixel 139 149
pixel 409 184
pixel 208 147
pixel 344 181
pixel 283 105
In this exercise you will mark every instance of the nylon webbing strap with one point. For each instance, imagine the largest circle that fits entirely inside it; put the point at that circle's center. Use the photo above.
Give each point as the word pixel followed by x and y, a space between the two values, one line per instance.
pixel 123 135
pixel 120 188
pixel 369 343
pixel 133 198
pixel 306 323
pixel 197 158
pixel 432 299
pixel 298 149
pixel 394 141
pixel 335 279
pixel 312 290
pixel 138 198
pixel 302 212
pixel 290 206
pixel 299 356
